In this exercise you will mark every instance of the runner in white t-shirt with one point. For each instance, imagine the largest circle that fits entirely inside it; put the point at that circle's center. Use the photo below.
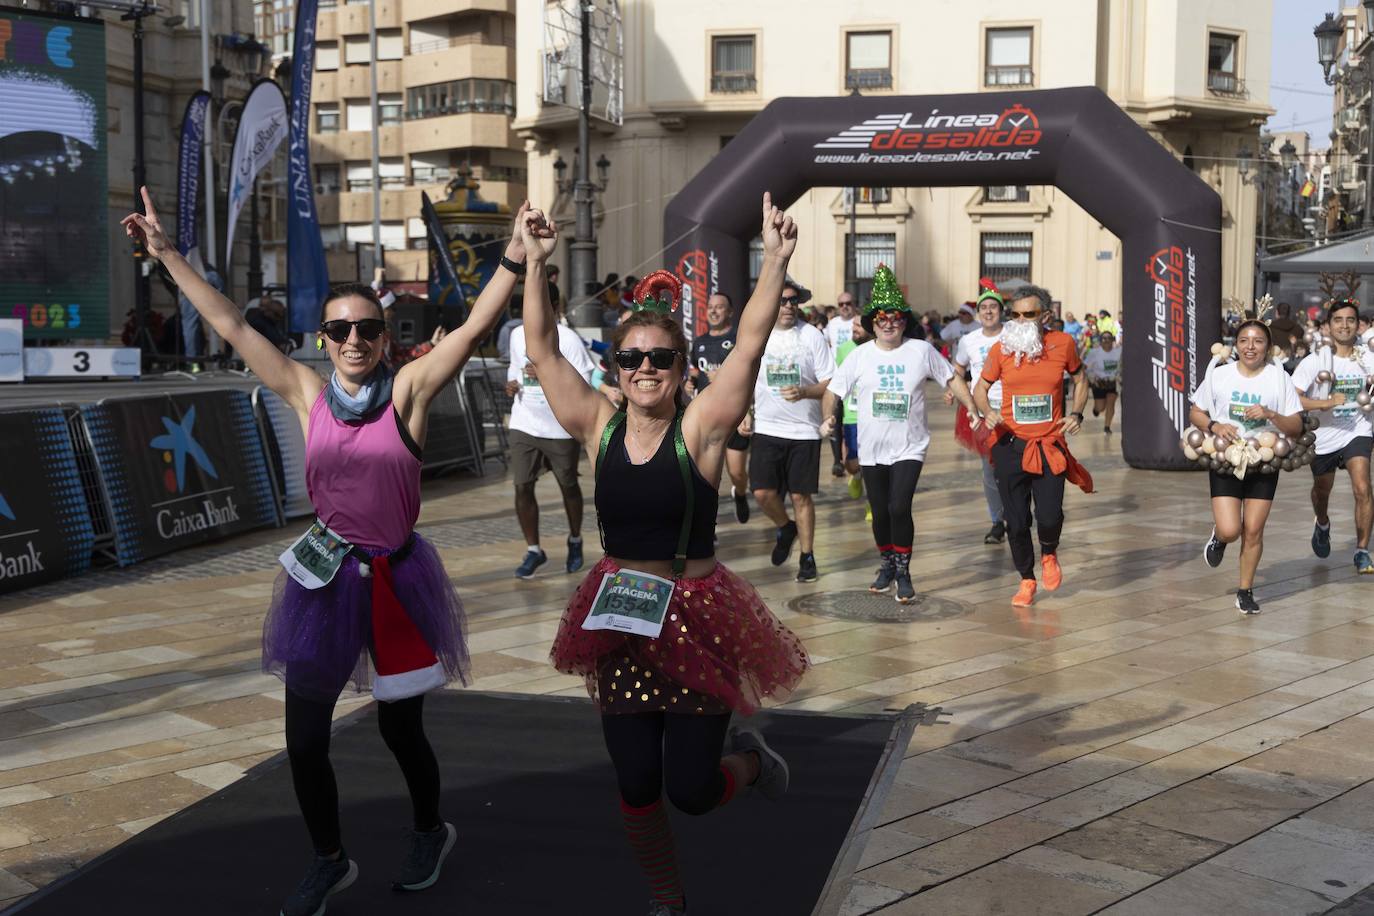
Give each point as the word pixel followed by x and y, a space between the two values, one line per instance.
pixel 537 441
pixel 841 327
pixel 1345 437
pixel 1103 365
pixel 785 450
pixel 887 377
pixel 1235 401
pixel 966 323
pixel 971 354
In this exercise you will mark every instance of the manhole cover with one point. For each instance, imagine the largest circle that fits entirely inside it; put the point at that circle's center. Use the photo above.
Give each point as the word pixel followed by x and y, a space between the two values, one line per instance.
pixel 862 604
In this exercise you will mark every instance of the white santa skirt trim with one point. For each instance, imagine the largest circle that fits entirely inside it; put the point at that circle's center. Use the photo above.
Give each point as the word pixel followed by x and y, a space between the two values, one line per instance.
pixel 391 687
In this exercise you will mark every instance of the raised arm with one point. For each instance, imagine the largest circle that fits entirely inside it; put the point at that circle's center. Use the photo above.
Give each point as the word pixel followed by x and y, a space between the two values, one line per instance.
pixel 295 383
pixel 427 375
pixel 577 406
pixel 719 409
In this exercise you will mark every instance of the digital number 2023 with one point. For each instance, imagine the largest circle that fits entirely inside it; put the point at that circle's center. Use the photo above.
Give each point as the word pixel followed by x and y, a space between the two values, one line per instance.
pixel 56 317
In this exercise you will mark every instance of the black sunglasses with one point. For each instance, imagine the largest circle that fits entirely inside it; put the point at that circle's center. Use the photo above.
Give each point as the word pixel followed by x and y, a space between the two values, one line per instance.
pixel 339 329
pixel 791 300
pixel 659 358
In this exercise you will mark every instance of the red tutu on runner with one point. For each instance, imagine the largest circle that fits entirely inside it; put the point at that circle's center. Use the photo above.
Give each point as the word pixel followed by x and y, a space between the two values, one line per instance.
pixel 719 639
pixel 965 436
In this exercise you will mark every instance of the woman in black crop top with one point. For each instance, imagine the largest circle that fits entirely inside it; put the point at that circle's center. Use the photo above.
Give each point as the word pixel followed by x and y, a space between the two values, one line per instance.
pixel 658 463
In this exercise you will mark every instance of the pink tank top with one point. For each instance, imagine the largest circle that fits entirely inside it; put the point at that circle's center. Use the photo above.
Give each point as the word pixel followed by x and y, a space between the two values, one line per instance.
pixel 363 480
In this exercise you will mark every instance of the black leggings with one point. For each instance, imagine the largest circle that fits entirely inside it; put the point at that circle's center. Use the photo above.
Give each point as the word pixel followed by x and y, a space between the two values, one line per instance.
pixel 307 746
pixel 890 490
pixel 1019 489
pixel 639 742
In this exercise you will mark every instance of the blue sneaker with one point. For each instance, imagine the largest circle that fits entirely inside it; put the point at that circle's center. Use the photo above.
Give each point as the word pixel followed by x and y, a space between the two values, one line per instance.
pixel 425 854
pixel 1321 540
pixel 1363 564
pixel 574 555
pixel 325 878
pixel 533 560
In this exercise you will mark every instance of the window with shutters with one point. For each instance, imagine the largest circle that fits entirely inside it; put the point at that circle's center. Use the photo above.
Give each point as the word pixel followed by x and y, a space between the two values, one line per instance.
pixel 1005 256
pixel 327 55
pixel 870 250
pixel 326 117
pixel 732 64
pixel 868 63
pixel 1008 57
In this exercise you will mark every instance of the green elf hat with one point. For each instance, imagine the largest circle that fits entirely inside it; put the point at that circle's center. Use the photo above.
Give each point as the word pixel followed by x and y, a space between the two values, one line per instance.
pixel 886 296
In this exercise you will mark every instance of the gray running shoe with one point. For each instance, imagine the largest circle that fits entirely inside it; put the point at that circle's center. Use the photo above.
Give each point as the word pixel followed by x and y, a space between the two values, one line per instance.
pixel 773 773
pixel 325 878
pixel 424 857
pixel 1214 550
pixel 663 909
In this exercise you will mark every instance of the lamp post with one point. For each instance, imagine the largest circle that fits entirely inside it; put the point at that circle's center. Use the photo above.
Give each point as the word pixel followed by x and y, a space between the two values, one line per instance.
pixel 1328 34
pixel 1244 158
pixel 584 310
pixel 142 336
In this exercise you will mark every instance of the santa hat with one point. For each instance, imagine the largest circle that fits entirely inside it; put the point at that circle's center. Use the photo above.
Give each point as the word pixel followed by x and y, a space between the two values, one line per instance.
pixel 406 665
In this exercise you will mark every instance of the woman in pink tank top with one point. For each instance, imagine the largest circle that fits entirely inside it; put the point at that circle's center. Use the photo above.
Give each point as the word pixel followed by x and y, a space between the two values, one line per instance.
pixel 388 607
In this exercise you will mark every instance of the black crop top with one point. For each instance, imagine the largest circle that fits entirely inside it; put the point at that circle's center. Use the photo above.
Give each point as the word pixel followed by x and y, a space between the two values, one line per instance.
pixel 639 506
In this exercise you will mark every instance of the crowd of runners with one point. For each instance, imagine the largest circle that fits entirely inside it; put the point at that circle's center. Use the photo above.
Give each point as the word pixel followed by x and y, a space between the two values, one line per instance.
pixel 672 643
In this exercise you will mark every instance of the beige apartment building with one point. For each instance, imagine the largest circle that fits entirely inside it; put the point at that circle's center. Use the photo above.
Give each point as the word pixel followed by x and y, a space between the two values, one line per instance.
pixel 1194 73
pixel 446 98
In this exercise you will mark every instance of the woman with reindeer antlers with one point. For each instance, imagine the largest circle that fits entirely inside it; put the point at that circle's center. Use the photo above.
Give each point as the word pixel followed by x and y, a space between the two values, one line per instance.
pixel 670 642
pixel 1234 403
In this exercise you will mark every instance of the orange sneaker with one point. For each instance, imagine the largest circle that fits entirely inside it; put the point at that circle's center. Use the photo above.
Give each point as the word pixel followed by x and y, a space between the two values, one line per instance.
pixel 1025 595
pixel 1049 569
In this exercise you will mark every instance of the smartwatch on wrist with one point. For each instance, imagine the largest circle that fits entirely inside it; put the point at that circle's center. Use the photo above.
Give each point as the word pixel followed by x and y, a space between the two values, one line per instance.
pixel 1210 424
pixel 1077 414
pixel 513 267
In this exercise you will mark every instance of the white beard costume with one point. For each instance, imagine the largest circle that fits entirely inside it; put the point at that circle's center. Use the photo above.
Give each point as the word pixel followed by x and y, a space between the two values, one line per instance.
pixel 1022 339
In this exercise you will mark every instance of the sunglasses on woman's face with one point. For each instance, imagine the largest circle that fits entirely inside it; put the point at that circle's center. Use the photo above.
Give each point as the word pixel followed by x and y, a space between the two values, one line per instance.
pixel 889 319
pixel 632 359
pixel 339 329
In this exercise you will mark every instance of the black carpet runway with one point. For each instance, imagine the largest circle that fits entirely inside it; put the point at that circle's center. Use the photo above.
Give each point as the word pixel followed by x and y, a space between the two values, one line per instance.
pixel 528 785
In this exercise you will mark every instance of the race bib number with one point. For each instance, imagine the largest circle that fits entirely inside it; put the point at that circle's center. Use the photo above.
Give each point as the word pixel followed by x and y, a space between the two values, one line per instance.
pixel 891 405
pixel 315 556
pixel 1032 408
pixel 1237 415
pixel 630 601
pixel 1349 386
pixel 782 375
pixel 529 381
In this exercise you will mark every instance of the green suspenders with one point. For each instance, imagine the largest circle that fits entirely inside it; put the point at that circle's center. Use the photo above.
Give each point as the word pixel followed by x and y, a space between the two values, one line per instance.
pixel 679 446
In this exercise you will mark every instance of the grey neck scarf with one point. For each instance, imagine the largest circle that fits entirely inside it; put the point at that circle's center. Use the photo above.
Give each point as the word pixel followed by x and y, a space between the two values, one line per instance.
pixel 372 395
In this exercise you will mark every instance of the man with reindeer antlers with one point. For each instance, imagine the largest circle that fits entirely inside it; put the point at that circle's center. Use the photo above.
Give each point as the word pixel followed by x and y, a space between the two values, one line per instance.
pixel 1334 380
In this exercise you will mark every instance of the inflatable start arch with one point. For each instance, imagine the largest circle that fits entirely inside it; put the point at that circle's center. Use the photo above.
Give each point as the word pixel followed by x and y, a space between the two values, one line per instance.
pixel 1167 218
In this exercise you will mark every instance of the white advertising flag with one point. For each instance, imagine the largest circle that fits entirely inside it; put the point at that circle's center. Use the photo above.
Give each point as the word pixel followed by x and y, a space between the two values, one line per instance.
pixel 262 128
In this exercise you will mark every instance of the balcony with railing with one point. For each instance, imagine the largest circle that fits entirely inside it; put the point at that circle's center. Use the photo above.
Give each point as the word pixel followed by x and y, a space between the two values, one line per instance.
pixel 1226 84
pixel 869 78
pixel 734 81
pixel 1009 76
pixel 459 41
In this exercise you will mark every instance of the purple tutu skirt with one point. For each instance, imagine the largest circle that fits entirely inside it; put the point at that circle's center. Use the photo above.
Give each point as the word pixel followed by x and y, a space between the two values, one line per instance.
pixel 318 640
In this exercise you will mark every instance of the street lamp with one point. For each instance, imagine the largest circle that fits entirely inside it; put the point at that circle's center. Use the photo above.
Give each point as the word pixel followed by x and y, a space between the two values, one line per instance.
pixel 1329 33
pixel 1288 153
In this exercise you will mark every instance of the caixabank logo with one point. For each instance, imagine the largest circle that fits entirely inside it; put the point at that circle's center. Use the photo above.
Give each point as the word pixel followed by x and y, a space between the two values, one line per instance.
pixel 28 560
pixel 1172 273
pixel 1012 134
pixel 180 515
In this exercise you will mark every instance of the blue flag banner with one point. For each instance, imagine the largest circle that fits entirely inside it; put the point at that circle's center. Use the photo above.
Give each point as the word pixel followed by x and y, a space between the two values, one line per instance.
pixel 189 160
pixel 307 276
pixel 445 288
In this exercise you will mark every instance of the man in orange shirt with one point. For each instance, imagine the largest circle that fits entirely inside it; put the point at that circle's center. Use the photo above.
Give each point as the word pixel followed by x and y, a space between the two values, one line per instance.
pixel 1030 457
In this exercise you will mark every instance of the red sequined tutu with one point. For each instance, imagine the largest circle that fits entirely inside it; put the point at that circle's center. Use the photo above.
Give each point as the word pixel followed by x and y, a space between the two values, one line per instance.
pixel 719 641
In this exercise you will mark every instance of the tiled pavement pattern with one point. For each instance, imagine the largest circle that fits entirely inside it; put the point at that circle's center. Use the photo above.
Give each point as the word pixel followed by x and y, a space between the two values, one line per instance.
pixel 1129 745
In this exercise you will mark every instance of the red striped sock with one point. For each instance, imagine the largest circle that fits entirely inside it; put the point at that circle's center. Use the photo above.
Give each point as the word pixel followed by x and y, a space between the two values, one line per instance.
pixel 651 839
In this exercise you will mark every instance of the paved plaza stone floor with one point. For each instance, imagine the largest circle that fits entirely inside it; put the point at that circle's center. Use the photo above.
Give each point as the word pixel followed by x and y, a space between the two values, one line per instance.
pixel 1129 745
